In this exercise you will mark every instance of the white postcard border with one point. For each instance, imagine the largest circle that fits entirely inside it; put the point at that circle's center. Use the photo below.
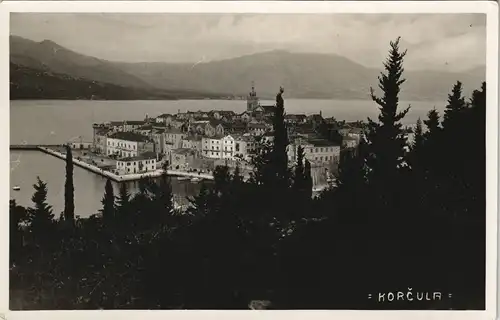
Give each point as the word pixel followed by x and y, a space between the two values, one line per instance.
pixel 453 7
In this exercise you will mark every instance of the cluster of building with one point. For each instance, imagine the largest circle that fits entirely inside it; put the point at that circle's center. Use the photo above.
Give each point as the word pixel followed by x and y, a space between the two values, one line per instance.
pixel 202 140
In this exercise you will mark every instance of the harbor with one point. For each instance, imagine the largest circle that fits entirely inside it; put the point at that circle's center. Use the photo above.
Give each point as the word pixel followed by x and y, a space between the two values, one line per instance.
pixel 197 176
pixel 180 175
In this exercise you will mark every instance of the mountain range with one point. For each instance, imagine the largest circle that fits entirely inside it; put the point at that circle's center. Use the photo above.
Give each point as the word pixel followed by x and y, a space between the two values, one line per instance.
pixel 303 75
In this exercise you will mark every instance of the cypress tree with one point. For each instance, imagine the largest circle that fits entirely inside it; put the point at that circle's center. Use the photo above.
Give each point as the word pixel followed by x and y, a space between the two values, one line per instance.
pixel 418 141
pixel 352 172
pixel 280 141
pixel 432 123
pixel 40 217
pixel 387 136
pixel 387 151
pixel 271 172
pixel 453 121
pixel 456 104
pixel 433 143
pixel 123 199
pixel 308 181
pixel 108 203
pixel 417 145
pixel 163 201
pixel 299 176
pixel 69 197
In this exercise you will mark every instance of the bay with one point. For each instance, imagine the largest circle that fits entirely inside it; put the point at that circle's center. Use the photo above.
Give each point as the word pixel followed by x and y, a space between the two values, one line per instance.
pixel 60 121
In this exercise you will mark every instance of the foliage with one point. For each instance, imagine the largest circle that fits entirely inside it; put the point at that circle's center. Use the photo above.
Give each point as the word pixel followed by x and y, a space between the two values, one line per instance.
pixel 384 227
pixel 108 204
pixel 69 190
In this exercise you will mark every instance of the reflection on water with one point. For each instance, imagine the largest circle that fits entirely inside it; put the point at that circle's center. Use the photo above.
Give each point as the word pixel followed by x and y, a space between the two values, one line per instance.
pixel 89 187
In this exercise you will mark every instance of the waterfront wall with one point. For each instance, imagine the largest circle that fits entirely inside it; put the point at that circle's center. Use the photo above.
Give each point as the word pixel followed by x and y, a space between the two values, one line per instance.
pixel 128 177
pixel 132 177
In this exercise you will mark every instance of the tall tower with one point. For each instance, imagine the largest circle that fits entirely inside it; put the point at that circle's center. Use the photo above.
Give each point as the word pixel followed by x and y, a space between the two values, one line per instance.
pixel 252 99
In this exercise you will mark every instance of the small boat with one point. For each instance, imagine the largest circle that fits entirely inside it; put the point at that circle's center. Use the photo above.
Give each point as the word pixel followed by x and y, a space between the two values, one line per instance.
pixel 183 178
pixel 195 179
pixel 16 188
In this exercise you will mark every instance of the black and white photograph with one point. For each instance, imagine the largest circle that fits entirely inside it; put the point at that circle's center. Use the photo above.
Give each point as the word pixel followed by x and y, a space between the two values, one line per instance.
pixel 252 160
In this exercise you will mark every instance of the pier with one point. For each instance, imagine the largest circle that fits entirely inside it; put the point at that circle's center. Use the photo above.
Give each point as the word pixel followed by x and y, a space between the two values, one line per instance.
pixel 129 177
pixel 31 146
pixel 125 177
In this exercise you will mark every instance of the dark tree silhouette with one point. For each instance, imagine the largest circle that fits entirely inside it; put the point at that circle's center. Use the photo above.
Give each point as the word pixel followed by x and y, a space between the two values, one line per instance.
pixel 123 200
pixel 243 243
pixel 108 203
pixel 299 174
pixel 308 182
pixel 432 123
pixel 69 197
pixel 386 137
pixel 418 141
pixel 17 215
pixel 280 142
pixel 40 217
pixel 163 201
pixel 456 104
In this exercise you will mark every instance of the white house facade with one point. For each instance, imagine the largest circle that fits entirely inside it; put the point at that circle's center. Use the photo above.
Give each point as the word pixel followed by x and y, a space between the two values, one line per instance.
pixel 145 162
pixel 212 147
pixel 227 147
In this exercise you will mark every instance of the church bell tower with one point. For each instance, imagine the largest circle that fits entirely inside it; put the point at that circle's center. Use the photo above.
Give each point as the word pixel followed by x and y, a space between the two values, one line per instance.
pixel 252 99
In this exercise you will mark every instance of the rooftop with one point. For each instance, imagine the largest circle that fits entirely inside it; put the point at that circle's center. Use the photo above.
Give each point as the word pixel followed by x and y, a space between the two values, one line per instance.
pixel 143 156
pixel 135 122
pixel 146 127
pixel 130 122
pixel 130 136
pixel 223 112
pixel 102 131
pixel 200 121
pixel 194 138
pixel 173 130
pixel 216 137
pixel 315 117
pixel 214 123
pixel 303 129
pixel 244 138
pixel 295 116
pixel 322 143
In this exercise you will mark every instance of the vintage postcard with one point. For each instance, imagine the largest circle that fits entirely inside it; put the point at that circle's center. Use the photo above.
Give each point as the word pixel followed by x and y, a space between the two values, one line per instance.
pixel 242 156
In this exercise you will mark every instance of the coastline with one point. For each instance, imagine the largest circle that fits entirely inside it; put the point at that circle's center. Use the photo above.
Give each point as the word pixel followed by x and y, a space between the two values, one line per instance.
pixel 138 176
pixel 128 177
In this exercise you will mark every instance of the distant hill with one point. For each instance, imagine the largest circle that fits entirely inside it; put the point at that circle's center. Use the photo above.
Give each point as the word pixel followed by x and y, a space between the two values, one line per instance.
pixel 304 75
pixel 31 83
pixel 48 55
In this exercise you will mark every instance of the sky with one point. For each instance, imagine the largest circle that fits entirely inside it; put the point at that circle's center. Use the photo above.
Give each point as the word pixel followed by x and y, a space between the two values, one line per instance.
pixel 452 42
